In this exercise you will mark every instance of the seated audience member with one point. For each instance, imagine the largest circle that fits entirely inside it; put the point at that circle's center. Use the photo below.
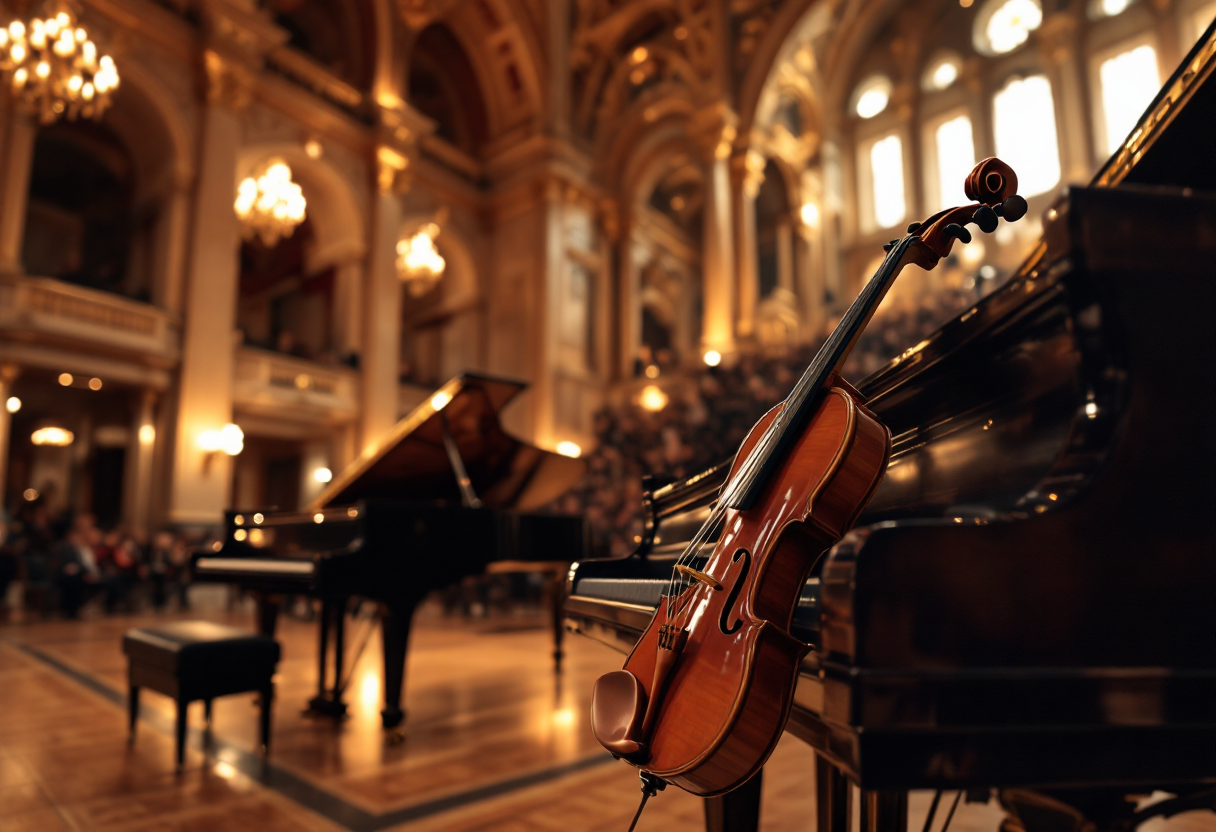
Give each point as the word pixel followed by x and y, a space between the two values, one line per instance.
pixel 80 578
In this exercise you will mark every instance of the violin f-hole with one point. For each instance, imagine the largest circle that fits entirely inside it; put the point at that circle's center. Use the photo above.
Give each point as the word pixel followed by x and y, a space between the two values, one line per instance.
pixel 733 595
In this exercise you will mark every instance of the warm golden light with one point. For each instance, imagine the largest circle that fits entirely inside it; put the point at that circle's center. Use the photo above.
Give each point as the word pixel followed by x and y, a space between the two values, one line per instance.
pixel 419 263
pixel 66 379
pixel 94 384
pixel 440 400
pixel 229 439
pixel 652 371
pixel 322 475
pixel 55 69
pixel 269 204
pixel 810 215
pixel 147 434
pixel 30 495
pixel 239 535
pixel 313 149
pixel 652 398
pixel 570 449
pixel 13 404
pixel 318 518
pixel 53 436
pixel 712 358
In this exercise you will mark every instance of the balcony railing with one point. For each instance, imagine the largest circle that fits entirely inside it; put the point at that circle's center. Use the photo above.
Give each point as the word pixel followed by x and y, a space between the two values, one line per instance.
pixel 43 308
pixel 277 385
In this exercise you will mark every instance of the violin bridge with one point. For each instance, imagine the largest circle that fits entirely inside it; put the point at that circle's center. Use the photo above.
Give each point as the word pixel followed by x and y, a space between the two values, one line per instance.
pixel 672 637
pixel 709 580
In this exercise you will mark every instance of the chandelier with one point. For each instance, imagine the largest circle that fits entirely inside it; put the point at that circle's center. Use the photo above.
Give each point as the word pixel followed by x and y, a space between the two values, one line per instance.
pixel 419 264
pixel 269 203
pixel 54 66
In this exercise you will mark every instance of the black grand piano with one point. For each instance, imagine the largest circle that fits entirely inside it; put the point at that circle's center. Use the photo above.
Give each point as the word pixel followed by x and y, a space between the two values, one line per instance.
pixel 447 494
pixel 1029 601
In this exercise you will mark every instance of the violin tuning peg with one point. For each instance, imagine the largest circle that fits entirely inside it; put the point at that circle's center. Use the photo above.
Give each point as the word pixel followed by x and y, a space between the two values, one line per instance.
pixel 985 218
pixel 956 230
pixel 1013 209
pixel 889 246
pixel 913 227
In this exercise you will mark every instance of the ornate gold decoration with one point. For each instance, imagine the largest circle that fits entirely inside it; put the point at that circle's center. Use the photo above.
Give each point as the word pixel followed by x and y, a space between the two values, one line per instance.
pixel 228 83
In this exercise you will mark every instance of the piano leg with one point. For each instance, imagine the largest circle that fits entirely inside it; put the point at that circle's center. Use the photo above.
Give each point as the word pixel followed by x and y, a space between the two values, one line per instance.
pixel 831 797
pixel 328 702
pixel 884 811
pixel 556 591
pixel 267 614
pixel 737 811
pixel 395 634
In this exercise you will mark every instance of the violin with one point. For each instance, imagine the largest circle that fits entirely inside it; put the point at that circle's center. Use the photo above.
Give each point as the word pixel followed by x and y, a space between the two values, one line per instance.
pixel 706 692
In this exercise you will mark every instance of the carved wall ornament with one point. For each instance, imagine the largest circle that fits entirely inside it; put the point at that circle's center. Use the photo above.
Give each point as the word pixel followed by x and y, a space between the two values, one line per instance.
pixel 227 84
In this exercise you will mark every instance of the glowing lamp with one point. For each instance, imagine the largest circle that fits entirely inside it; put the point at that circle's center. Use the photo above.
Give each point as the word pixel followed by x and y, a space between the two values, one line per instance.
pixel 652 398
pixel 570 449
pixel 53 436
pixel 712 358
pixel 322 474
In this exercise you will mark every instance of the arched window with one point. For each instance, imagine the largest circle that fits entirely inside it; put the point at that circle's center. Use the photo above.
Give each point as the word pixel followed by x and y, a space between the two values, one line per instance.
pixel 1128 81
pixel 942 72
pixel 1107 8
pixel 1004 25
pixel 954 157
pixel 872 96
pixel 884 159
pixel 1024 123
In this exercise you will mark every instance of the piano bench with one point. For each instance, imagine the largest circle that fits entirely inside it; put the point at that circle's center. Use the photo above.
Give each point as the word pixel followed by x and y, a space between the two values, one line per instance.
pixel 192 660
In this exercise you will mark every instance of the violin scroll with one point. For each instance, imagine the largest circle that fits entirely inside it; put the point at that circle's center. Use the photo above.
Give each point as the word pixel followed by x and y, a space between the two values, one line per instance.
pixel 993 185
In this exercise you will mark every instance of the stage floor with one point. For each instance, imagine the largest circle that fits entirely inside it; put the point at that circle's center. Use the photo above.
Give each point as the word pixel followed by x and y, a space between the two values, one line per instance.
pixel 493 741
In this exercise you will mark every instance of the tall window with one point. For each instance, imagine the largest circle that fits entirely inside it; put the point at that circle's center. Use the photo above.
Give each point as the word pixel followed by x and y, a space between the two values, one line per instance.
pixel 887 181
pixel 1128 82
pixel 1024 122
pixel 955 155
pixel 1004 25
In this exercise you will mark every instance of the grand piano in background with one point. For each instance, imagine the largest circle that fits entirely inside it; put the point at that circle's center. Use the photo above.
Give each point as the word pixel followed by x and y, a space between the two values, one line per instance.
pixel 1029 601
pixel 448 494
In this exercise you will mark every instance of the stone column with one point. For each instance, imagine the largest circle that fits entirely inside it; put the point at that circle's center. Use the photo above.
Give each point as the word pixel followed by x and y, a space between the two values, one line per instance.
pixel 14 198
pixel 8 374
pixel 348 307
pixel 174 231
pixel 140 453
pixel 785 255
pixel 235 43
pixel 381 343
pixel 718 251
pixel 1057 39
pixel 748 175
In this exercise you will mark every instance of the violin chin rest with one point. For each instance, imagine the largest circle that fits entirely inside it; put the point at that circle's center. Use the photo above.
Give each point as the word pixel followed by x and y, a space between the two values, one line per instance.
pixel 618 706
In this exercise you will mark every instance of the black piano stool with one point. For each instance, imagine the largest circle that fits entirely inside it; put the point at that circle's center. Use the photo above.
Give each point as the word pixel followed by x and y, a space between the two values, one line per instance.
pixel 192 660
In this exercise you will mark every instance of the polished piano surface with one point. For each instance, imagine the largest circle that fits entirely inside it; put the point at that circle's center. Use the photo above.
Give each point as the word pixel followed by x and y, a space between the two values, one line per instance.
pixel 1027 603
pixel 448 494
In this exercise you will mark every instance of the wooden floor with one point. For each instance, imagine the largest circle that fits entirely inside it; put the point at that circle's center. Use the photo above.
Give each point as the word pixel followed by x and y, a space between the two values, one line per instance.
pixel 493 742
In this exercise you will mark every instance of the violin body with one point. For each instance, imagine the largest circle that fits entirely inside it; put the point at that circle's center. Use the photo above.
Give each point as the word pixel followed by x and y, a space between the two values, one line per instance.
pixel 724 700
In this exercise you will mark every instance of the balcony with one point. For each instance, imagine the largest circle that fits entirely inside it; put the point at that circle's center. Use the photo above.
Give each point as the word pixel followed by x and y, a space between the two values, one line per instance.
pixel 276 386
pixel 41 317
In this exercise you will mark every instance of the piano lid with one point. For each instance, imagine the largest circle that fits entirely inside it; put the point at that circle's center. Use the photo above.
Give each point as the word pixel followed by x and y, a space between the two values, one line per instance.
pixel 412 462
pixel 1171 143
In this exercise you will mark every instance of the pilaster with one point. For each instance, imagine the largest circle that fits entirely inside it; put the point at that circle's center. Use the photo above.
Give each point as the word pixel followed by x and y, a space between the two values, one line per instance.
pixel 716 130
pixel 747 170
pixel 1058 43
pixel 17 161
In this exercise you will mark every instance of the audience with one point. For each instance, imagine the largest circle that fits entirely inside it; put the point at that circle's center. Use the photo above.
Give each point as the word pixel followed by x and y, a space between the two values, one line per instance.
pixel 64 563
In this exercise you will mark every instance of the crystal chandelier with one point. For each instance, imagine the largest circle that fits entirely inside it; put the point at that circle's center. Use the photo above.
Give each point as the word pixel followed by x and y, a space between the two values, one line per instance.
pixel 54 67
pixel 419 264
pixel 269 203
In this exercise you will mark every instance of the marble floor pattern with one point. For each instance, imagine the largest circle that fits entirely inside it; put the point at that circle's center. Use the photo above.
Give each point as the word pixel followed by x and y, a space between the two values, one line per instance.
pixel 494 741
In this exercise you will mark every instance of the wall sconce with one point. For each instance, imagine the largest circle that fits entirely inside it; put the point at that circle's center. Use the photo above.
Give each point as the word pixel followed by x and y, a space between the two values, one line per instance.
pixel 712 358
pixel 229 439
pixel 810 215
pixel 53 436
pixel 322 475
pixel 419 263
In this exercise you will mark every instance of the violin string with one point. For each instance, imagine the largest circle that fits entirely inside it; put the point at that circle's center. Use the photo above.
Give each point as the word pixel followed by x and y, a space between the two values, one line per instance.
pixel 749 472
